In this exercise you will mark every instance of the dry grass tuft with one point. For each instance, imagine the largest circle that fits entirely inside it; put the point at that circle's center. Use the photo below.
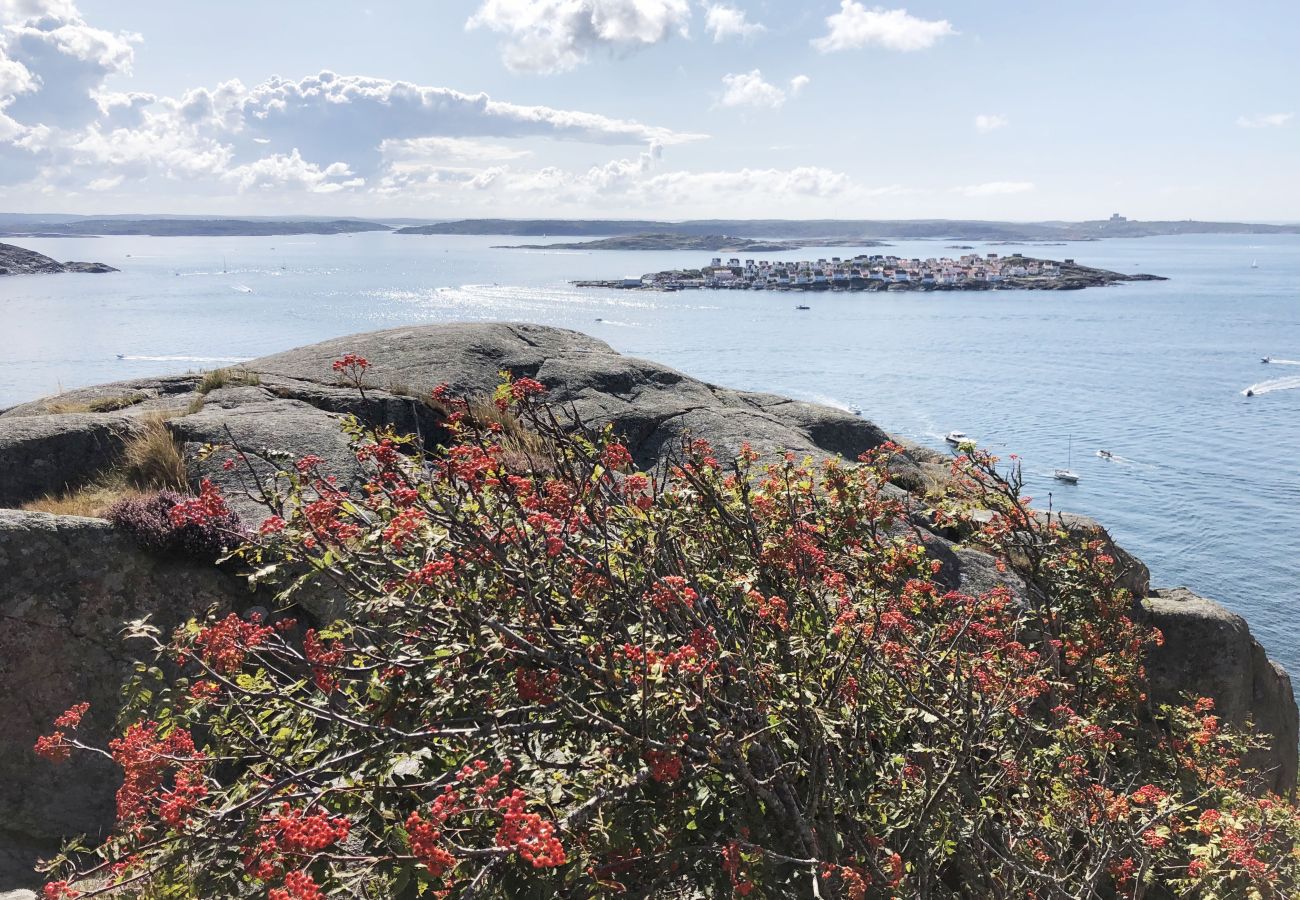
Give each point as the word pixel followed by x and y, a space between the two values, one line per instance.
pixel 92 501
pixel 96 405
pixel 154 459
pixel 219 378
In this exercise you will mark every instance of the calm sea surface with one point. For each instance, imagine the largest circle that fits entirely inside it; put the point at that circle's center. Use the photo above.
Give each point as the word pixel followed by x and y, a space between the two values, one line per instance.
pixel 1205 484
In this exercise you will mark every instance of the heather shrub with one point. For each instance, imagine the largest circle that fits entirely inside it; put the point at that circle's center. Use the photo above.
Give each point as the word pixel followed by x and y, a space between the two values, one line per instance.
pixel 150 519
pixel 561 677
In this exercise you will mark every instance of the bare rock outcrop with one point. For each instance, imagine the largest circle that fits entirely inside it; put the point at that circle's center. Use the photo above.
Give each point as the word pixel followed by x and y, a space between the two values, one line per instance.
pixel 67 585
pixel 1210 652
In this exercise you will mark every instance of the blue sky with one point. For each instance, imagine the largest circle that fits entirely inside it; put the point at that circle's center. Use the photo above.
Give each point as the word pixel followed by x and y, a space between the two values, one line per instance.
pixel 658 108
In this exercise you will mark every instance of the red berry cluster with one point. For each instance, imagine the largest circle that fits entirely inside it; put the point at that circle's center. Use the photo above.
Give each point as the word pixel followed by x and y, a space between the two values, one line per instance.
pixel 208 506
pixel 297 886
pixel 225 645
pixel 323 659
pixel 528 833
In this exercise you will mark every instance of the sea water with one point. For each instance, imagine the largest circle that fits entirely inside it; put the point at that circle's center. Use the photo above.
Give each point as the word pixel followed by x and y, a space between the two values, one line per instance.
pixel 1204 484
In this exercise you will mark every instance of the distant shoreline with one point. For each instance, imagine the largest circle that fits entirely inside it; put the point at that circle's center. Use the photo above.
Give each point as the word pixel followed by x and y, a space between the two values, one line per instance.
pixel 708 243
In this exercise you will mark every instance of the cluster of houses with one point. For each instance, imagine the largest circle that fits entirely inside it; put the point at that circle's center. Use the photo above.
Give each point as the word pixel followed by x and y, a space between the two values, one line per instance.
pixel 859 273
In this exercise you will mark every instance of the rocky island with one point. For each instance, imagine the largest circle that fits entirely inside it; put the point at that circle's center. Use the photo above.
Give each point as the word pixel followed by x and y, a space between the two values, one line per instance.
pixel 20 261
pixel 69 582
pixel 971 272
pixel 707 242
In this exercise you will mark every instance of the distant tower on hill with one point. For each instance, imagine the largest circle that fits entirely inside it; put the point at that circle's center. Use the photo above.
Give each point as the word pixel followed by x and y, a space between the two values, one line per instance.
pixel 1117 218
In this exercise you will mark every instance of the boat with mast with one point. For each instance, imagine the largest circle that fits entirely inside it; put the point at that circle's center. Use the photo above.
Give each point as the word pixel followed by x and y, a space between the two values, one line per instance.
pixel 1068 475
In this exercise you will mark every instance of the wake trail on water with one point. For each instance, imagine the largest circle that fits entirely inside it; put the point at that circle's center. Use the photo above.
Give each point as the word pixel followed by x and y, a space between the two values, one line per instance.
pixel 1284 362
pixel 1289 383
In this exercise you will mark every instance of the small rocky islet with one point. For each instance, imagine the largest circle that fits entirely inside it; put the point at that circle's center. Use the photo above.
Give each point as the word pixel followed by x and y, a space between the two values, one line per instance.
pixel 20 261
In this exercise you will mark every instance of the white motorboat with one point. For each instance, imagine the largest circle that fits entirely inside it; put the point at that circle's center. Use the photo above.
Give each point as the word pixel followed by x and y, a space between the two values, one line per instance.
pixel 1266 359
pixel 957 438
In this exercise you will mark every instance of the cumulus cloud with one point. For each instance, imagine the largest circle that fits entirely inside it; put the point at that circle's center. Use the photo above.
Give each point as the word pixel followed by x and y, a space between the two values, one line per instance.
pixel 558 35
pixel 65 62
pixel 987 123
pixel 725 22
pixel 346 139
pixel 855 26
pixel 21 10
pixel 749 89
pixel 291 170
pixel 1265 120
pixel 996 188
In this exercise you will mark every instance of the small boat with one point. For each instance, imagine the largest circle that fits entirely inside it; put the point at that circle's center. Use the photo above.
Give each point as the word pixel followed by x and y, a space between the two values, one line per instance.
pixel 1105 454
pixel 1249 393
pixel 1254 264
pixel 957 438
pixel 1067 475
pixel 801 306
pixel 121 356
pixel 1266 359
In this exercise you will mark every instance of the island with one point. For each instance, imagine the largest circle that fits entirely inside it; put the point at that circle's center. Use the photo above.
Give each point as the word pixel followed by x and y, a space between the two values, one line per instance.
pixel 970 272
pixel 711 242
pixel 816 232
pixel 186 227
pixel 20 261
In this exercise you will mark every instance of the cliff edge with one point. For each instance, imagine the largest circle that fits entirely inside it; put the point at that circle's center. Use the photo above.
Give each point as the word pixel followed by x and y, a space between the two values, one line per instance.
pixel 67 583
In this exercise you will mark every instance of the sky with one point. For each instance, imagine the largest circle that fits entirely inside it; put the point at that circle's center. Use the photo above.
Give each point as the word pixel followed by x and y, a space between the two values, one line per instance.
pixel 670 109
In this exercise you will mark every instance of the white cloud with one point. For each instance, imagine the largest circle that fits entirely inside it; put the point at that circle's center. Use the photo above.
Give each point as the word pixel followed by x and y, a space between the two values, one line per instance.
pixel 14 78
pixel 996 188
pixel 725 22
pixel 1265 120
pixel 749 89
pixel 66 63
pixel 558 35
pixel 446 148
pixel 280 171
pixel 856 26
pixel 987 123
pixel 21 10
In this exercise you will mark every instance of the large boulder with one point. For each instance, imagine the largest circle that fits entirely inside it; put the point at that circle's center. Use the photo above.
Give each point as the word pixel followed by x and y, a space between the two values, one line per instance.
pixel 1210 652
pixel 67 585
pixel 651 405
pixel 48 454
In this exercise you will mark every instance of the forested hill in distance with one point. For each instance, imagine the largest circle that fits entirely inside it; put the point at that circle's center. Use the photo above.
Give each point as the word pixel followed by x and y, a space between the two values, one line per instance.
pixel 802 230
pixel 973 230
pixel 181 227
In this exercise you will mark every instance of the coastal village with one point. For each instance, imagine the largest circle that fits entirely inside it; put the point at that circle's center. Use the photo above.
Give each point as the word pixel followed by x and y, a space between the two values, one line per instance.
pixel 878 272
pixel 864 272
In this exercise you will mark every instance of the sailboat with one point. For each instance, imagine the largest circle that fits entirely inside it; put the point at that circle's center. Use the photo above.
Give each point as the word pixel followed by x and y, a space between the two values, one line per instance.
pixel 1067 474
pixel 1254 264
